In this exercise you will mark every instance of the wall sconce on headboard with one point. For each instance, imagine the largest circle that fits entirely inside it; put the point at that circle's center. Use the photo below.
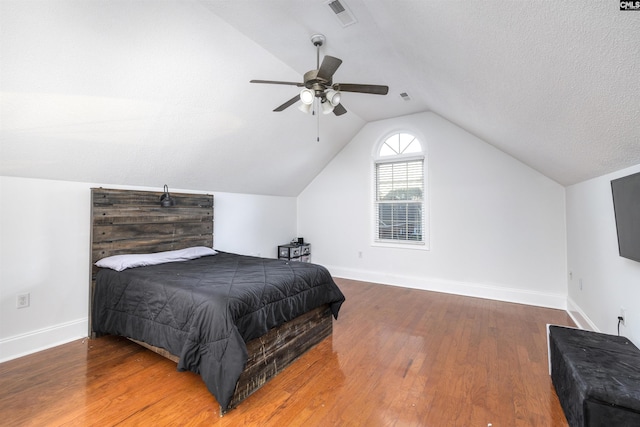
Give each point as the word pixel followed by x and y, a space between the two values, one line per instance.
pixel 166 201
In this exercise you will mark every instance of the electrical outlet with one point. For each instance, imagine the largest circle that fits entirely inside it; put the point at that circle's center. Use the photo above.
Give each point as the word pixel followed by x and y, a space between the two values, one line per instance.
pixel 623 315
pixel 23 300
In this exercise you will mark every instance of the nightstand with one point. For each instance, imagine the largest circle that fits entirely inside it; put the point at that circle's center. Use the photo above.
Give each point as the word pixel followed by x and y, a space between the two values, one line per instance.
pixel 295 252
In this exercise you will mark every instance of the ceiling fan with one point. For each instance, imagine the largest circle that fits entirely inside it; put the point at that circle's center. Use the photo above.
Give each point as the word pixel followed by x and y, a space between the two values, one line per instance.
pixel 318 84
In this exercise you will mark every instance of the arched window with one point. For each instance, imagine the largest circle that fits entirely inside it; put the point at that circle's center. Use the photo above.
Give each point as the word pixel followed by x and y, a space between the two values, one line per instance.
pixel 400 196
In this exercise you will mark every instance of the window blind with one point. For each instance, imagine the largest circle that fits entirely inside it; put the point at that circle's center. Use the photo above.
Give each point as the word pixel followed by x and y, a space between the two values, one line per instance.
pixel 399 201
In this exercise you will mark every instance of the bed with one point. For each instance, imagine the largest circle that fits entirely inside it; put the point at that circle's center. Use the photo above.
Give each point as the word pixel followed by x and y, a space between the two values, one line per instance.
pixel 266 312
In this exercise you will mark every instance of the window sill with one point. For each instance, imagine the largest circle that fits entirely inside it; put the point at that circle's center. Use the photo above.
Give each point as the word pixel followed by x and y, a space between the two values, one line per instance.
pixel 421 246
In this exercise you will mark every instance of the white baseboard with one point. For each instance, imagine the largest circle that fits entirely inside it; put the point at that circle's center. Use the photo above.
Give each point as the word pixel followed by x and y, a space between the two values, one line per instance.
pixel 520 296
pixel 42 339
pixel 579 317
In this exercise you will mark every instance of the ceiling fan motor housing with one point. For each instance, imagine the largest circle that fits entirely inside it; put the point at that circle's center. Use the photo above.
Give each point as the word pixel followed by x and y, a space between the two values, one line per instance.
pixel 313 82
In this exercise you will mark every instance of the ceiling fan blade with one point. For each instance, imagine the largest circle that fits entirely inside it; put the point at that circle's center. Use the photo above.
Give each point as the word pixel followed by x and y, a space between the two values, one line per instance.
pixel 274 82
pixel 329 66
pixel 289 103
pixel 352 87
pixel 339 110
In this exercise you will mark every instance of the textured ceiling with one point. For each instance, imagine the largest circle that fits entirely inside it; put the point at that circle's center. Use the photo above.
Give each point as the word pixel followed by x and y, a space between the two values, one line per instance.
pixel 148 93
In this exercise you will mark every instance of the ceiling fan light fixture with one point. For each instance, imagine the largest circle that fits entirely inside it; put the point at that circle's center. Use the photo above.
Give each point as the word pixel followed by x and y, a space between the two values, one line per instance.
pixel 305 108
pixel 333 97
pixel 307 96
pixel 327 107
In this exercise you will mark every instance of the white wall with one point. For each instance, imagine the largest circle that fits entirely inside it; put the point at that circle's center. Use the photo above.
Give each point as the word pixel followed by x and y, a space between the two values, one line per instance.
pixel 44 251
pixel 609 281
pixel 253 224
pixel 497 226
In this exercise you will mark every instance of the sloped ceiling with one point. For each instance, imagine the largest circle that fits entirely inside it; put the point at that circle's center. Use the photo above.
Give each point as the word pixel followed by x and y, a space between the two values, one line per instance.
pixel 147 93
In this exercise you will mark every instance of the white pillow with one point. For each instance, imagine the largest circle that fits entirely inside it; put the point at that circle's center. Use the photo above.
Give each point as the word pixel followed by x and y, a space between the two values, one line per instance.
pixel 121 262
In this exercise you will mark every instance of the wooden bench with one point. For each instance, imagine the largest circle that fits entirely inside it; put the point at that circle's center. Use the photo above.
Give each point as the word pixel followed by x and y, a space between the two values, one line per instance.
pixel 596 377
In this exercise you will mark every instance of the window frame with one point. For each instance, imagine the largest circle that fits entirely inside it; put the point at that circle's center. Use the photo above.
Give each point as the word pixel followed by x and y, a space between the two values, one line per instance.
pixel 400 158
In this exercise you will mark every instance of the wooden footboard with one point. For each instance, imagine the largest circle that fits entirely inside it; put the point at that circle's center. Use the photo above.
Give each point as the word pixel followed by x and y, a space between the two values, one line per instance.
pixel 281 346
pixel 271 353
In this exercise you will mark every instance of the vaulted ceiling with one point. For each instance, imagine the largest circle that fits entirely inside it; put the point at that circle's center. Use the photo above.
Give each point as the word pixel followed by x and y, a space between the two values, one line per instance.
pixel 150 93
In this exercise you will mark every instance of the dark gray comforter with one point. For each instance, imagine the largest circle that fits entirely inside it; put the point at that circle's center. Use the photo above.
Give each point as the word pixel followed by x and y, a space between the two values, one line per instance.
pixel 204 310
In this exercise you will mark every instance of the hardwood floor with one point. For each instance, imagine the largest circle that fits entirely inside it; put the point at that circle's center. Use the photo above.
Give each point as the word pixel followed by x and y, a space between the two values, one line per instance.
pixel 397 357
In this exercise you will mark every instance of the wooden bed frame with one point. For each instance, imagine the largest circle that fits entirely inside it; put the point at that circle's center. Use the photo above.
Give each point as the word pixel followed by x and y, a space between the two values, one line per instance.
pixel 130 221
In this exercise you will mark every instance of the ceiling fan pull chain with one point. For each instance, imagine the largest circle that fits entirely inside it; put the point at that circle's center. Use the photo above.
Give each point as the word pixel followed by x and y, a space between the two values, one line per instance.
pixel 318 133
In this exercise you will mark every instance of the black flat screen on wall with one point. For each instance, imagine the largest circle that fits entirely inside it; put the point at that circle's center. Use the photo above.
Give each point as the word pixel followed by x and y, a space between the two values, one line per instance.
pixel 626 203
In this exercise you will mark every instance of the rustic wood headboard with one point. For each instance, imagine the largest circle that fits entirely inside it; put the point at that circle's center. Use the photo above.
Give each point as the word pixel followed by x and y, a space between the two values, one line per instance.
pixel 131 221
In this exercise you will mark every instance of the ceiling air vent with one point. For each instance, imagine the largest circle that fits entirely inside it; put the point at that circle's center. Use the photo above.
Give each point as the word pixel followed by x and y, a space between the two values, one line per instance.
pixel 342 12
